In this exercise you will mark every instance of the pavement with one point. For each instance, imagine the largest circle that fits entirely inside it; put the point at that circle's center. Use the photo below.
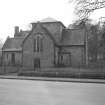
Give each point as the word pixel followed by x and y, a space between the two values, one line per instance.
pixel 33 92
pixel 101 81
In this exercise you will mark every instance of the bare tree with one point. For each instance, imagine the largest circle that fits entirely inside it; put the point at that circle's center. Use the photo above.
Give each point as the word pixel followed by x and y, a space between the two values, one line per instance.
pixel 83 8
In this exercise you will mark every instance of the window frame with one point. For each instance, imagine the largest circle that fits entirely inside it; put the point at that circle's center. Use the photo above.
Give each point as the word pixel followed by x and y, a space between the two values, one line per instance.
pixel 38 43
pixel 13 58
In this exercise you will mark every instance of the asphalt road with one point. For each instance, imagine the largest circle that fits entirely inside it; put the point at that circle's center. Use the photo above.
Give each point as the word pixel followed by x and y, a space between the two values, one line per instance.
pixel 27 92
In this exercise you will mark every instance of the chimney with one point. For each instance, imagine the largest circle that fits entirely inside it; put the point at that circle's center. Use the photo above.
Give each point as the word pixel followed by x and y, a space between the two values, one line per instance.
pixel 33 25
pixel 16 31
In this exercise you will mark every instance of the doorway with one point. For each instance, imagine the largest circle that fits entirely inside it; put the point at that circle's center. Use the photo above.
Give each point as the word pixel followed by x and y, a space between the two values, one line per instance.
pixel 36 63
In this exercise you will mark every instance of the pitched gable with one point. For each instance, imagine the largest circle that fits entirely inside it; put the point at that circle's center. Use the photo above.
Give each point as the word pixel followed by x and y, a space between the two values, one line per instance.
pixel 53 26
pixel 39 28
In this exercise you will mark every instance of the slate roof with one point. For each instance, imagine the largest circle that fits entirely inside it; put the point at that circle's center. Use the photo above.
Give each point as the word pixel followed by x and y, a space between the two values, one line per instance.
pixel 22 33
pixel 13 44
pixel 72 37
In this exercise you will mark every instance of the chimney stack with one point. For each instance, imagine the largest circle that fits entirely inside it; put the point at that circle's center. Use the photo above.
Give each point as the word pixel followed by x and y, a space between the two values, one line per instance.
pixel 16 31
pixel 33 25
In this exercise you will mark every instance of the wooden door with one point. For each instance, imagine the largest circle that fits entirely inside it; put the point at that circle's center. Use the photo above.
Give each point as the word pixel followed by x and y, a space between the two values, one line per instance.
pixel 36 63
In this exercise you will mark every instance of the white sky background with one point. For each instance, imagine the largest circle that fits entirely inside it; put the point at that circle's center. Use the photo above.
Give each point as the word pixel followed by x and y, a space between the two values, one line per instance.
pixel 22 12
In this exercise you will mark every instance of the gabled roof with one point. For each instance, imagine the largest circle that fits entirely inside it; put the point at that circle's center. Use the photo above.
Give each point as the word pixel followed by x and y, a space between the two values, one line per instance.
pixel 38 27
pixel 13 44
pixel 73 37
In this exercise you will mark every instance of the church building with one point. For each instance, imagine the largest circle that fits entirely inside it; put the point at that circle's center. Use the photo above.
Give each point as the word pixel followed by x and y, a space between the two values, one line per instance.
pixel 48 44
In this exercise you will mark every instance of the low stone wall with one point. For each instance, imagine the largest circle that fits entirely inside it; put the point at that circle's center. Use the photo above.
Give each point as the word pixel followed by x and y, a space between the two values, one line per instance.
pixel 1 70
pixel 65 70
pixel 9 69
pixel 63 74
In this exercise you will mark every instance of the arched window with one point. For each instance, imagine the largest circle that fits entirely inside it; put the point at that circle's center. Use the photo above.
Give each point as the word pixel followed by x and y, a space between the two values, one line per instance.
pixel 38 44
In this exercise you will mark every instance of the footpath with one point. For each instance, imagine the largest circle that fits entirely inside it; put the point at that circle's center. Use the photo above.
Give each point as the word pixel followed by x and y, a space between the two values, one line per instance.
pixel 99 81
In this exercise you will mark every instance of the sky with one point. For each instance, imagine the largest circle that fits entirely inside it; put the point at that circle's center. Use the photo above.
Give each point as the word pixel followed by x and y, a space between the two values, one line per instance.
pixel 23 12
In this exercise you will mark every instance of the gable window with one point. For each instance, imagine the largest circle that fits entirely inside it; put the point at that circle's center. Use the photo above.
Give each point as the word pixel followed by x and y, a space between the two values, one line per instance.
pixel 38 45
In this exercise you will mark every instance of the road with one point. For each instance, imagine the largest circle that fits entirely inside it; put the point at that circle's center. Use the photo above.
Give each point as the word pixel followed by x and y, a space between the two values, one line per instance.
pixel 27 92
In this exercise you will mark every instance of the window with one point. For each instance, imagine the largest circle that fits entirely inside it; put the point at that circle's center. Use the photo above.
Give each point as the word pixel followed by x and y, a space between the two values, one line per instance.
pixel 38 45
pixel 13 58
pixel 7 56
pixel 7 59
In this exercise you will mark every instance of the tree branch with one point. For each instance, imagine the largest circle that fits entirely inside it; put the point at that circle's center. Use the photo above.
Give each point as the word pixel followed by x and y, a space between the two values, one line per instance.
pixel 85 7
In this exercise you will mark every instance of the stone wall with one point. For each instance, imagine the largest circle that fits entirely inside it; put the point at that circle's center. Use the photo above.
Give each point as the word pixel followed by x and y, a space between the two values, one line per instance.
pixel 7 58
pixel 46 56
pixel 77 55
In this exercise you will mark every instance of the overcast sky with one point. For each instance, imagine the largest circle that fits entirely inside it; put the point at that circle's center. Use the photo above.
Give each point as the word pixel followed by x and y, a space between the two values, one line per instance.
pixel 23 12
